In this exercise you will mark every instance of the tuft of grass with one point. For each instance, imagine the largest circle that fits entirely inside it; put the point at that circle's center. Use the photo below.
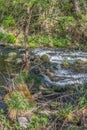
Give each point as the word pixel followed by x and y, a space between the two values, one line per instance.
pixel 18 102
pixel 39 121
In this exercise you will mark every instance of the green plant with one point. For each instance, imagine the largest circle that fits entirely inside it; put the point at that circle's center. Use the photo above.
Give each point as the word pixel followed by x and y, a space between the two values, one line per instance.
pixel 18 102
pixel 83 101
pixel 16 125
pixel 65 64
pixel 38 121
pixel 66 110
pixel 7 38
pixel 3 119
pixel 28 78
pixel 8 21
pixel 10 39
pixel 73 128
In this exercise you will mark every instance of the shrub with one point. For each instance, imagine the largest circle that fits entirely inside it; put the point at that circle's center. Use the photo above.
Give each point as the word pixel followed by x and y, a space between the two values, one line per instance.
pixel 17 101
pixel 10 38
pixel 8 21
pixel 7 38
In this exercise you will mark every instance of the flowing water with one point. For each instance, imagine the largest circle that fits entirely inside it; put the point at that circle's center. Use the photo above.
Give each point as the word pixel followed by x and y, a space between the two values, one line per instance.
pixel 56 56
pixel 8 67
pixel 66 76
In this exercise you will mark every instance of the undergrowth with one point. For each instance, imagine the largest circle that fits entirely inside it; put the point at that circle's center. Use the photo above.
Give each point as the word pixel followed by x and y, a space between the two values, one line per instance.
pixel 53 110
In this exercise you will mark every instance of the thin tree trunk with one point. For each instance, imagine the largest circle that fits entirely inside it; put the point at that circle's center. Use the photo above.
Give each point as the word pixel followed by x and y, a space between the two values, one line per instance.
pixel 26 44
pixel 27 54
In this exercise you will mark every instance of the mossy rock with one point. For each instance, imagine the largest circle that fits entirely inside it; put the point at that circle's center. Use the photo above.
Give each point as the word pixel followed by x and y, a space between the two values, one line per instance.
pixel 12 54
pixel 45 58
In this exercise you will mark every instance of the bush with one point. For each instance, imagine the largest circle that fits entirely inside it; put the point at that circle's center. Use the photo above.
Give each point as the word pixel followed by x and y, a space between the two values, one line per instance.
pixel 35 41
pixel 8 21
pixel 17 101
pixel 59 42
pixel 7 38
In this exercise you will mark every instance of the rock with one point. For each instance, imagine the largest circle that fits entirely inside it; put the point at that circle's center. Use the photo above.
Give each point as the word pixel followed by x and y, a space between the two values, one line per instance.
pixel 82 61
pixel 80 65
pixel 42 88
pixel 45 58
pixel 11 57
pixel 23 122
pixel 19 61
pixel 48 73
pixel 12 54
pixel 5 128
pixel 55 78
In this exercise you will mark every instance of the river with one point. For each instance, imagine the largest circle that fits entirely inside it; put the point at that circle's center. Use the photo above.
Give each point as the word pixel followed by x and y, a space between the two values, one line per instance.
pixel 56 56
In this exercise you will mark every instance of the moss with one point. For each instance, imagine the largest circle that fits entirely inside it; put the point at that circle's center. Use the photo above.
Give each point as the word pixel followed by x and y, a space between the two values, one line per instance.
pixel 45 58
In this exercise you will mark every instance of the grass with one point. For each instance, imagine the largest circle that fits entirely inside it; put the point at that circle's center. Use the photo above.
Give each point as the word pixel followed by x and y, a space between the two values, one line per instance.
pixel 64 109
pixel 53 107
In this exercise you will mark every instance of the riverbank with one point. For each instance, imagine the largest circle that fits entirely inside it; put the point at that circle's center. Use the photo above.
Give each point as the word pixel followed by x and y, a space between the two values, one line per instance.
pixel 51 97
pixel 50 109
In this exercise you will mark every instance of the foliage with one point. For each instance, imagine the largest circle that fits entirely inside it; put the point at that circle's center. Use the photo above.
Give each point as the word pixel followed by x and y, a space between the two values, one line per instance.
pixel 18 102
pixel 51 22
pixel 8 21
pixel 28 78
pixel 3 119
pixel 66 110
pixel 38 121
pixel 83 100
pixel 7 38
pixel 65 64
pixel 36 41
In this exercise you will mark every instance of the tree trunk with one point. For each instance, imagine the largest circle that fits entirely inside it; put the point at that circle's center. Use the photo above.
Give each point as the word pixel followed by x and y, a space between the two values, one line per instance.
pixel 27 54
pixel 26 46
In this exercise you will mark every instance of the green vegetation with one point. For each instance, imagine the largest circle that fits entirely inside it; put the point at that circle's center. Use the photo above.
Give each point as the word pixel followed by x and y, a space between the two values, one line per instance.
pixel 18 102
pixel 8 21
pixel 42 23
pixel 36 41
pixel 38 121
pixel 3 119
pixel 51 24
pixel 65 64
pixel 28 78
pixel 7 38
